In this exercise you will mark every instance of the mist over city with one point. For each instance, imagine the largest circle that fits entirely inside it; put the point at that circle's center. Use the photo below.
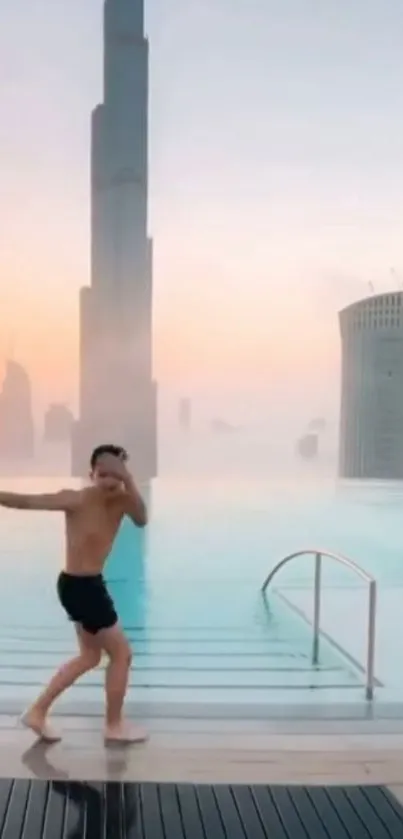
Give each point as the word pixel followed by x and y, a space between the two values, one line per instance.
pixel 259 194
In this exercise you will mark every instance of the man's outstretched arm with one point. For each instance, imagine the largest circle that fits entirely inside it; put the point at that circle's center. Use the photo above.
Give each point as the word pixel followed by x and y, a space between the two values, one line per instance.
pixel 62 501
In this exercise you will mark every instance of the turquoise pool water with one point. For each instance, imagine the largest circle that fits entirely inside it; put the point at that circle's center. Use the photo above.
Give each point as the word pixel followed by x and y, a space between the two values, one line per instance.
pixel 188 589
pixel 208 547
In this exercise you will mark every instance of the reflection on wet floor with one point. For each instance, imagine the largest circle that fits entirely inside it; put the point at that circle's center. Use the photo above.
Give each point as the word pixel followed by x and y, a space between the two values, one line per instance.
pixel 88 809
pixel 39 760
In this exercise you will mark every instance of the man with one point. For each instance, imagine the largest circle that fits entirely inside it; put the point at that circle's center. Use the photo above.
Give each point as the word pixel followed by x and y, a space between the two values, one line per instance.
pixel 92 516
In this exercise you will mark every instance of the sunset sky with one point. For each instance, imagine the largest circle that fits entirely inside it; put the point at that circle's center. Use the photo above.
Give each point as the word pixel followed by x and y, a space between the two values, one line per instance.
pixel 276 184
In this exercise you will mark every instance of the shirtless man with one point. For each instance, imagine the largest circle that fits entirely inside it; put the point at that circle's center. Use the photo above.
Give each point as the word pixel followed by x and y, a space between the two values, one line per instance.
pixel 92 517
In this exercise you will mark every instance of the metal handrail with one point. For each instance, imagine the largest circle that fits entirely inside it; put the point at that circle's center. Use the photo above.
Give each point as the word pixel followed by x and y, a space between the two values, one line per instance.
pixel 319 554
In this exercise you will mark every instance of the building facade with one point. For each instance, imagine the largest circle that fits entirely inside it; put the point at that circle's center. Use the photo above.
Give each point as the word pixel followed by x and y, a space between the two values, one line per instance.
pixel 371 413
pixel 58 424
pixel 117 392
pixel 17 436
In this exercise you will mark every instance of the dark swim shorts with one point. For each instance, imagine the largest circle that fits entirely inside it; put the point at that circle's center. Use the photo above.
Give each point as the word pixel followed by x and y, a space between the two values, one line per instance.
pixel 87 601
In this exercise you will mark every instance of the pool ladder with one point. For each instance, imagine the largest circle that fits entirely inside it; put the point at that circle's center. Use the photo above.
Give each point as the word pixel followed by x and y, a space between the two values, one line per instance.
pixel 372 593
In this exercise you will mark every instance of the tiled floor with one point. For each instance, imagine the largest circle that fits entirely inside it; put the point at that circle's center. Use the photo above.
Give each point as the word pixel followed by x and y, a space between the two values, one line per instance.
pixel 213 752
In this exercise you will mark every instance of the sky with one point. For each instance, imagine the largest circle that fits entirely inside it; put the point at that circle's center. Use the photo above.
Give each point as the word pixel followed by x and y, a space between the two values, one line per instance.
pixel 276 174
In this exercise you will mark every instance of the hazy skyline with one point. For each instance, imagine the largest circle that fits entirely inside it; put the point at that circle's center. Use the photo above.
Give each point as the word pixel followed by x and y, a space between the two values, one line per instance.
pixel 276 163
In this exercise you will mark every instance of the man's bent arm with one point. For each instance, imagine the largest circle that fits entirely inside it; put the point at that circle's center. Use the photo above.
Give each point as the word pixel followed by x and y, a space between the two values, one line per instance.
pixel 63 501
pixel 135 507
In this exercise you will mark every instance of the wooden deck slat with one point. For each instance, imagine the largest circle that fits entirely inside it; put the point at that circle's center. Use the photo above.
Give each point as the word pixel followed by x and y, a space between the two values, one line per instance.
pixel 314 825
pixel 17 806
pixel 381 802
pixel 248 813
pixel 210 815
pixel 367 814
pixel 268 813
pixel 151 813
pixel 5 793
pixel 60 810
pixel 348 813
pixel 76 810
pixel 132 812
pixel 190 812
pixel 229 813
pixel 114 811
pixel 327 814
pixel 96 810
pixel 37 806
pixel 171 815
pixel 55 815
pixel 289 815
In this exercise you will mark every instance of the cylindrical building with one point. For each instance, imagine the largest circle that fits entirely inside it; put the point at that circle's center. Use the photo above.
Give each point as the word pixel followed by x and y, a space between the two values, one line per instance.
pixel 371 413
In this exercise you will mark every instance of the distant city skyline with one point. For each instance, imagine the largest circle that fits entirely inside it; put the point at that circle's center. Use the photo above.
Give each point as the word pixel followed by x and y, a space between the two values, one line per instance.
pixel 275 194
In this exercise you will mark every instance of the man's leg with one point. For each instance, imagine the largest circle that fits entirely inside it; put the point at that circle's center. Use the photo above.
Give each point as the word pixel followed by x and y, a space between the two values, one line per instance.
pixel 117 647
pixel 87 659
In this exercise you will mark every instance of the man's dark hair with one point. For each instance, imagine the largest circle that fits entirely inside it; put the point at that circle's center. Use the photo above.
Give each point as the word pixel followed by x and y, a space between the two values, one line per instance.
pixel 107 448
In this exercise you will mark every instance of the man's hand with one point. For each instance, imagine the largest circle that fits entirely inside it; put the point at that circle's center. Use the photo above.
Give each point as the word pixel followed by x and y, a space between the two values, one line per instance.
pixel 134 506
pixel 115 467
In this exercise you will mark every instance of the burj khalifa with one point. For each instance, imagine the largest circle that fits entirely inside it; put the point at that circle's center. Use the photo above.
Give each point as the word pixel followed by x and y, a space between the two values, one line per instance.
pixel 117 392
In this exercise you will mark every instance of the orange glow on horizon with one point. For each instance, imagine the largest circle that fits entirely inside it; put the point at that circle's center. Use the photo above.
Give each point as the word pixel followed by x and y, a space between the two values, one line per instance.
pixel 211 326
pixel 202 346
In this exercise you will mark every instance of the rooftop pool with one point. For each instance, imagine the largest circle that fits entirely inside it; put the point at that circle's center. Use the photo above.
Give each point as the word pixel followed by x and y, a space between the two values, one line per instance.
pixel 188 593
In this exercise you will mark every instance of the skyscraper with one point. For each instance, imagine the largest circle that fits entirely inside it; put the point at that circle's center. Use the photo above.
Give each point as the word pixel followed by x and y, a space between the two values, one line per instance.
pixel 16 414
pixel 371 417
pixel 117 392
pixel 58 423
pixel 185 413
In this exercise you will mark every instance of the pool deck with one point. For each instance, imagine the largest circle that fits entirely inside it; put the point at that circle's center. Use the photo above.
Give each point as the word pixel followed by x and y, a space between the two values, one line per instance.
pixel 213 752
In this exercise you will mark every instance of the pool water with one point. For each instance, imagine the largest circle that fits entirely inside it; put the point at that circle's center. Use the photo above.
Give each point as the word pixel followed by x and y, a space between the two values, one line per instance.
pixel 188 592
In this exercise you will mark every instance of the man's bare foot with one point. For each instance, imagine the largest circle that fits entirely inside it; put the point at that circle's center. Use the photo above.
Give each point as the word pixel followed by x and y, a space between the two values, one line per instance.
pixel 124 733
pixel 37 723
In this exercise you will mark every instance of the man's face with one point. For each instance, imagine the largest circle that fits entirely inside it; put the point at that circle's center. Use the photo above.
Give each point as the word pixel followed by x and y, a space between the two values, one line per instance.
pixel 102 476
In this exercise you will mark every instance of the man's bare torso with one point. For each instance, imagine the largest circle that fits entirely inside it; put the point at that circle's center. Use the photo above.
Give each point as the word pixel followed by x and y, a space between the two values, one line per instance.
pixel 90 531
pixel 93 515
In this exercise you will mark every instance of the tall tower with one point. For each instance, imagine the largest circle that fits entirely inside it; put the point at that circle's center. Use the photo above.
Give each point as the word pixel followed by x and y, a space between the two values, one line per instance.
pixel 117 393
